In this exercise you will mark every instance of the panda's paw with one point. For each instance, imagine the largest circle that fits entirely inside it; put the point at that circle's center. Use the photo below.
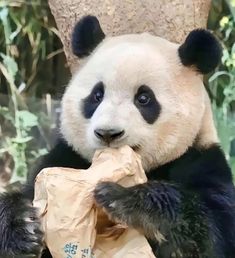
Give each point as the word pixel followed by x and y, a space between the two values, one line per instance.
pixel 20 227
pixel 113 198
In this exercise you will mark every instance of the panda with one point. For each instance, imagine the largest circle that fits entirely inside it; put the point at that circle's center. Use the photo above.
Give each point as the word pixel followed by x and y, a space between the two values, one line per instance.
pixel 146 92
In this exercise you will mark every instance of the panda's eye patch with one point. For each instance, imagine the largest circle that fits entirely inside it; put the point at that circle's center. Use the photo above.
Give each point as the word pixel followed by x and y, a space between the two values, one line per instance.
pixel 93 100
pixel 146 103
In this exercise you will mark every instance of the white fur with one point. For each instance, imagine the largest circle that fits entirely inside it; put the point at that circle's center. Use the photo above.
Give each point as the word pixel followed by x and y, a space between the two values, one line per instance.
pixel 123 64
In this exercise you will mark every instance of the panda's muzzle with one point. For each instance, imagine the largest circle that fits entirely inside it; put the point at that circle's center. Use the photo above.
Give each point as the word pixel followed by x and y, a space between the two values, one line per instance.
pixel 109 135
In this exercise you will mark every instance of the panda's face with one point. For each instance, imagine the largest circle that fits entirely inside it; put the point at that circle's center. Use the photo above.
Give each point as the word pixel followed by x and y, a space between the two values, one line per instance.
pixel 134 90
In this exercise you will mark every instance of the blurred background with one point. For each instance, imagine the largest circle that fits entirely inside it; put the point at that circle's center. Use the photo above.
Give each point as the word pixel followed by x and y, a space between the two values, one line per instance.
pixel 33 75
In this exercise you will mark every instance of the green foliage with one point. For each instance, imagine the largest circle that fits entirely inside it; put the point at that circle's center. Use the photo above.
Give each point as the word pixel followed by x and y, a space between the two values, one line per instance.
pixel 28 41
pixel 23 121
pixel 28 35
pixel 222 83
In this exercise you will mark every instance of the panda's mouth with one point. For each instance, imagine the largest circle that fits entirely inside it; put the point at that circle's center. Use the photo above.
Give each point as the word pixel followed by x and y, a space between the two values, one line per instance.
pixel 135 148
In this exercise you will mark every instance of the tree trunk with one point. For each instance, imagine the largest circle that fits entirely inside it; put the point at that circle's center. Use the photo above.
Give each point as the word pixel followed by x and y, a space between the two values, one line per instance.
pixel 171 19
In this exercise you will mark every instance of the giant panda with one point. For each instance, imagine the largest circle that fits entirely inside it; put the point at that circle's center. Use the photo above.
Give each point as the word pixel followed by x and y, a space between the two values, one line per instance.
pixel 146 92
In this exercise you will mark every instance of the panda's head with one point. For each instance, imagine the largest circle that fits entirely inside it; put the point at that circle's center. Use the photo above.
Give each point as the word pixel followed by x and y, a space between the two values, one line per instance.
pixel 139 90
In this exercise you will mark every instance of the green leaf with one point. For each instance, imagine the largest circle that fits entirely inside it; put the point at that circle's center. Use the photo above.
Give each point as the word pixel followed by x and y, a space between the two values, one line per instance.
pixel 6 25
pixel 22 140
pixel 231 5
pixel 10 64
pixel 5 112
pixel 232 164
pixel 39 153
pixel 15 33
pixel 225 55
pixel 27 119
pixel 218 74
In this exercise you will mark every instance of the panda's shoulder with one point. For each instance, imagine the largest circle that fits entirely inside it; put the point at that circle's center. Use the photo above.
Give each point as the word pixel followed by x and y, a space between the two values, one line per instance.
pixel 63 155
pixel 196 168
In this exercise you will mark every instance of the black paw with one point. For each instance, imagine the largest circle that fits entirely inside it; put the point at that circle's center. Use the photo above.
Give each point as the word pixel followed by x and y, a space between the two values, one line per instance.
pixel 113 198
pixel 20 229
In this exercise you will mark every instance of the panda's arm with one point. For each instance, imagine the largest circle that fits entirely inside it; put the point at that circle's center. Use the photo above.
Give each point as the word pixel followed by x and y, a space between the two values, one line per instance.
pixel 129 204
pixel 197 202
pixel 149 207
pixel 162 211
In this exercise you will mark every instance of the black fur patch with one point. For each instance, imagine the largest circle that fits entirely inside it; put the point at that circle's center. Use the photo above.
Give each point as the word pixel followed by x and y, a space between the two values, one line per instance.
pixel 151 110
pixel 196 168
pixel 206 173
pixel 90 104
pixel 62 155
pixel 202 50
pixel 20 233
pixel 87 34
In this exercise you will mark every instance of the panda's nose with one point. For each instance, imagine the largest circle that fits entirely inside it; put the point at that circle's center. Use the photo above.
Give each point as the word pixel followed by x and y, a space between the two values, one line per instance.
pixel 108 135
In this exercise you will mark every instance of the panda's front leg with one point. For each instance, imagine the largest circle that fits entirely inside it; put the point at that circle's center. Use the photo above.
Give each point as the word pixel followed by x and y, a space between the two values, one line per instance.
pixel 144 206
pixel 20 229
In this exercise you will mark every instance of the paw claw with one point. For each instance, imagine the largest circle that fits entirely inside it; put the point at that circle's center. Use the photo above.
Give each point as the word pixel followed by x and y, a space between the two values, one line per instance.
pixel 111 198
pixel 113 204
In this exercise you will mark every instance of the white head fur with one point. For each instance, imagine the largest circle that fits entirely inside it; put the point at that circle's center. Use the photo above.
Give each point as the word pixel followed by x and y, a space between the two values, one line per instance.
pixel 123 64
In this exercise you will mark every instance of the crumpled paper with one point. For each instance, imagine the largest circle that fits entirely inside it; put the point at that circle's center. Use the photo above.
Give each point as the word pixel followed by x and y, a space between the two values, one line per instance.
pixel 74 227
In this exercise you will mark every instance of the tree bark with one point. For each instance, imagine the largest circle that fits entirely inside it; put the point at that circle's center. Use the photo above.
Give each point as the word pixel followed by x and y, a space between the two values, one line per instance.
pixel 171 19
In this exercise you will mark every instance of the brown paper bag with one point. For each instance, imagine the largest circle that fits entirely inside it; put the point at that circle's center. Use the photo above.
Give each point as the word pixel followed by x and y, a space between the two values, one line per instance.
pixel 64 198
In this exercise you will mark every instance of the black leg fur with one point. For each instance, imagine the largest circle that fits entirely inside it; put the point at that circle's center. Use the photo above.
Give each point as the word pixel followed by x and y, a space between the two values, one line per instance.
pixel 156 207
pixel 19 227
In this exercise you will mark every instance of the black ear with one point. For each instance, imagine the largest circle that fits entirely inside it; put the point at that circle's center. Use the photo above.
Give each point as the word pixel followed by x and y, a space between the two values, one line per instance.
pixel 87 34
pixel 202 50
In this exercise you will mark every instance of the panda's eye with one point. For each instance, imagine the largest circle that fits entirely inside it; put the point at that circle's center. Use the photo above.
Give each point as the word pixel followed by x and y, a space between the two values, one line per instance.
pixel 98 95
pixel 143 99
pixel 147 104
